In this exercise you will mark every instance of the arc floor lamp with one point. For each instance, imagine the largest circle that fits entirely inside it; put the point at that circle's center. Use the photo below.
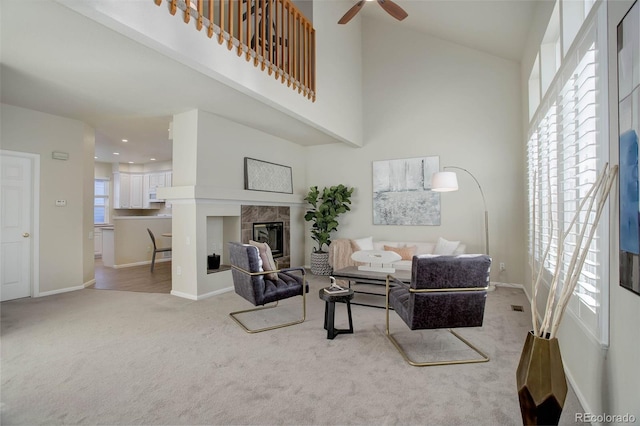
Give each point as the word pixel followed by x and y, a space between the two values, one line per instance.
pixel 448 181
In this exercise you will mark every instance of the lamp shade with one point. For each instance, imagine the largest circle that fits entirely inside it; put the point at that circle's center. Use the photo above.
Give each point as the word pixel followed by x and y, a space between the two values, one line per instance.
pixel 444 182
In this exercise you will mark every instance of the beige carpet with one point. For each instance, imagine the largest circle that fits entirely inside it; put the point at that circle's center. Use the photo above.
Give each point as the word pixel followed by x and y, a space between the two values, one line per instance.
pixel 112 357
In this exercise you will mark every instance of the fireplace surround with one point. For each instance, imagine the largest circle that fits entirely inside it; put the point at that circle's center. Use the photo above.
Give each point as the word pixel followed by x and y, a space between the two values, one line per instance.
pixel 252 214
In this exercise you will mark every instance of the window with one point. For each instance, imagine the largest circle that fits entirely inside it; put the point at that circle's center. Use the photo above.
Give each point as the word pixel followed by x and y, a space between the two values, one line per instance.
pixel 101 201
pixel 567 148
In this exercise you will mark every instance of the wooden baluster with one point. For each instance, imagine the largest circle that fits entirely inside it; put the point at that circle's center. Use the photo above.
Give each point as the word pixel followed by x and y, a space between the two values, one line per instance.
pixel 230 21
pixel 292 75
pixel 174 7
pixel 210 32
pixel 239 25
pixel 256 33
pixel 281 62
pixel 290 44
pixel 274 38
pixel 296 50
pixel 309 28
pixel 221 15
pixel 267 36
pixel 158 2
pixel 306 56
pixel 248 19
pixel 300 52
pixel 187 11
pixel 313 63
pixel 200 10
pixel 263 30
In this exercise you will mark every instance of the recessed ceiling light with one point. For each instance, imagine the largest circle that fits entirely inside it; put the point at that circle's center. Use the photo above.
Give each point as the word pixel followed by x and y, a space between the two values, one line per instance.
pixel 130 162
pixel 152 159
pixel 116 153
pixel 125 140
pixel 95 158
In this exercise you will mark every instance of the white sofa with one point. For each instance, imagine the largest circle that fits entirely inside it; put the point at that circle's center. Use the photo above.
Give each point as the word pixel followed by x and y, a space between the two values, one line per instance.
pixel 340 250
pixel 421 248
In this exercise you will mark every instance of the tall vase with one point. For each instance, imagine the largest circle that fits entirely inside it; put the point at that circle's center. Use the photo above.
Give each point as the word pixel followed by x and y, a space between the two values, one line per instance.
pixel 542 384
pixel 320 263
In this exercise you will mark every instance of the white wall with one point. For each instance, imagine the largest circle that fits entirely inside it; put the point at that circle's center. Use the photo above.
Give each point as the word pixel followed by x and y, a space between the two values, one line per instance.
pixel 103 170
pixel 605 380
pixel 431 97
pixel 64 234
pixel 617 386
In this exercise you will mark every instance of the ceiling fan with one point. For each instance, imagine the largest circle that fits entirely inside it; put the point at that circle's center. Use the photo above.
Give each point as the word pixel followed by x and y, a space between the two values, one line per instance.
pixel 390 7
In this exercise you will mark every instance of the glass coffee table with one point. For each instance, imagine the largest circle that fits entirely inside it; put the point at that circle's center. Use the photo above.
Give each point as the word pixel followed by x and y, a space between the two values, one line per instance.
pixel 368 281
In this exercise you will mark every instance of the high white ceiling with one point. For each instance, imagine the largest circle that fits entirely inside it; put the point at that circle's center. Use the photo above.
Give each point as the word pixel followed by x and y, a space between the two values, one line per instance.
pixel 498 27
pixel 59 62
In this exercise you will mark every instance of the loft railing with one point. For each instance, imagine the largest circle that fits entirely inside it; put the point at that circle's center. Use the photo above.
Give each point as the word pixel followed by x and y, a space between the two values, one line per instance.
pixel 272 33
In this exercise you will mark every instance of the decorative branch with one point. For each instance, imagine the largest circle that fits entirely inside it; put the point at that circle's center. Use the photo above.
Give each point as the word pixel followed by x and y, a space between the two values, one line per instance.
pixel 556 304
pixel 605 188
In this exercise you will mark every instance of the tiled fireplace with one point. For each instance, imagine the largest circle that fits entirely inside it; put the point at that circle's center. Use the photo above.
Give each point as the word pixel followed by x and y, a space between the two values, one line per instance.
pixel 264 223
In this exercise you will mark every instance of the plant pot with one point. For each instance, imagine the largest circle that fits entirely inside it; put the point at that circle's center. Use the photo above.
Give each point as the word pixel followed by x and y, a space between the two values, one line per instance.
pixel 320 263
pixel 542 384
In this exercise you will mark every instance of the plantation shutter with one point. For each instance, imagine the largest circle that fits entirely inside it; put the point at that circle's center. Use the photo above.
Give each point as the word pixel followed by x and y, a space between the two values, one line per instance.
pixel 567 148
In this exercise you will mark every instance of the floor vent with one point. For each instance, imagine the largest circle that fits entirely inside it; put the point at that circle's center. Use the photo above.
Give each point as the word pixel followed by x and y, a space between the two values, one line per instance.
pixel 517 308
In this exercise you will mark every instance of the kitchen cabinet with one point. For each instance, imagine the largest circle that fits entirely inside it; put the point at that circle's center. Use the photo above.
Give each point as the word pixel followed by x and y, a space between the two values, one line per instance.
pixel 136 191
pixel 157 180
pixel 128 190
pixel 121 190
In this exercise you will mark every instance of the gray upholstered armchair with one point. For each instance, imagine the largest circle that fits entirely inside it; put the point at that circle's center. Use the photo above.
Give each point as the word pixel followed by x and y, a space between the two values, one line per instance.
pixel 444 292
pixel 263 287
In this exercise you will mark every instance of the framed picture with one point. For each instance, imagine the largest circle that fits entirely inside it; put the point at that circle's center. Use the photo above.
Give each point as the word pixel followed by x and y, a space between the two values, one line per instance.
pixel 402 192
pixel 264 176
pixel 628 127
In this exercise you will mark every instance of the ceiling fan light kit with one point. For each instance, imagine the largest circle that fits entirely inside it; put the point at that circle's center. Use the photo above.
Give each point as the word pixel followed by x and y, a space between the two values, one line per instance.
pixel 390 7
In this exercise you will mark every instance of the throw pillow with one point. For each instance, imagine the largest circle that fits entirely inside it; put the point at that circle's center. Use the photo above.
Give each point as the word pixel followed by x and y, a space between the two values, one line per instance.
pixel 446 247
pixel 268 264
pixel 364 243
pixel 405 252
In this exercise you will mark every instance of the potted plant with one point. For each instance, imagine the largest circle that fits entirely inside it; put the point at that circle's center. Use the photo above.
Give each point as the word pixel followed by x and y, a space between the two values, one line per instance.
pixel 326 205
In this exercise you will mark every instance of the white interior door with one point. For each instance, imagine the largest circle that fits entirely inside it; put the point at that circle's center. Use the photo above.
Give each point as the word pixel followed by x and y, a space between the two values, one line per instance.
pixel 16 208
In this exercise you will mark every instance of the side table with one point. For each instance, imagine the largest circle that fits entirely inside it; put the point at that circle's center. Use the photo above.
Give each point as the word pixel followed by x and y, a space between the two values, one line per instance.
pixel 330 311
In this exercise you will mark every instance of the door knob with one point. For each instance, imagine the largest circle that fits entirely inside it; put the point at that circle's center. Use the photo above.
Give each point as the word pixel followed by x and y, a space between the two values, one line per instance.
pixel 26 235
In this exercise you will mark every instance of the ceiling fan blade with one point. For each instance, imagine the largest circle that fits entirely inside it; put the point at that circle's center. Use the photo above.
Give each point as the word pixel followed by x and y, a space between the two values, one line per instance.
pixel 351 12
pixel 393 9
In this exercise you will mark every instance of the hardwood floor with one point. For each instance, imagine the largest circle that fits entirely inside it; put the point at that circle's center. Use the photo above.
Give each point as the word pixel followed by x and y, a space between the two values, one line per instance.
pixel 135 278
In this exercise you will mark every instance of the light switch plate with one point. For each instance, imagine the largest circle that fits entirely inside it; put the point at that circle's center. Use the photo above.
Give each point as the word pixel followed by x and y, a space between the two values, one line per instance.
pixel 61 203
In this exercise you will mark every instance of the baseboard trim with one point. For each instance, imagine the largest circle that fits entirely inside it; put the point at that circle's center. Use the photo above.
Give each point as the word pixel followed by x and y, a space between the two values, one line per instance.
pixel 145 262
pixel 509 285
pixel 62 290
pixel 202 296
pixel 90 282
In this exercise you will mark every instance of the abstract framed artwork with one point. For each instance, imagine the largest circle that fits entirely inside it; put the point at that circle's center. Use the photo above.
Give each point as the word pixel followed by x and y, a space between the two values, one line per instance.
pixel 265 176
pixel 402 192
pixel 628 42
